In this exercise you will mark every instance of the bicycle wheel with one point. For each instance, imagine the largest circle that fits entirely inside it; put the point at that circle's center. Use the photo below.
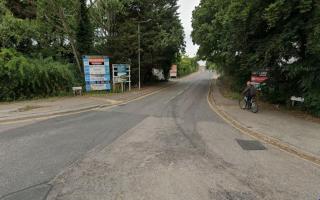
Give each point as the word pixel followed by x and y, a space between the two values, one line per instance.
pixel 254 107
pixel 242 103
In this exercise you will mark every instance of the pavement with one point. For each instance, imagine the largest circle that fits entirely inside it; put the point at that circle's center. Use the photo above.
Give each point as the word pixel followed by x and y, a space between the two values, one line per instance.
pixel 25 110
pixel 169 145
pixel 291 132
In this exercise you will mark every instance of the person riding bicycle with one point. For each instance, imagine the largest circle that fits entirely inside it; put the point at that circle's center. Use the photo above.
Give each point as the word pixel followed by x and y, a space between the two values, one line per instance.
pixel 250 92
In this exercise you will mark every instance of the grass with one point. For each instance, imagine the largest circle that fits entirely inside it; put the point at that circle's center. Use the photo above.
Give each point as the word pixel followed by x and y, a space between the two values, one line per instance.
pixel 226 91
pixel 28 108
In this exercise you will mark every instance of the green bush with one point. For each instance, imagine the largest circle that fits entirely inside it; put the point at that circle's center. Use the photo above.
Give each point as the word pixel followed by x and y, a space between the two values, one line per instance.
pixel 23 78
pixel 312 102
pixel 187 66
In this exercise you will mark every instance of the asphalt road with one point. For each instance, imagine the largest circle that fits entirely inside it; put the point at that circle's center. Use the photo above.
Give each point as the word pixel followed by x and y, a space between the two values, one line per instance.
pixel 214 160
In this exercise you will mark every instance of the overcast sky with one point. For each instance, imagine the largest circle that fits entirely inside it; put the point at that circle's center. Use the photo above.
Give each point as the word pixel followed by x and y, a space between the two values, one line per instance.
pixel 186 8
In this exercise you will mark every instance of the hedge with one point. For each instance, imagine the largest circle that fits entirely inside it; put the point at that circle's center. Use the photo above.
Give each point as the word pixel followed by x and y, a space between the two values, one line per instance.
pixel 23 78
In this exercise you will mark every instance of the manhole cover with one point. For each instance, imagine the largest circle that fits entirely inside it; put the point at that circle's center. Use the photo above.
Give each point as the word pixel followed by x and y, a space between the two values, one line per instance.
pixel 251 145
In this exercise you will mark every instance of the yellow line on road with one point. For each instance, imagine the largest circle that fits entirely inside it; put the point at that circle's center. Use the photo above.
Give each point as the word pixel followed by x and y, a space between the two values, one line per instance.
pixel 35 119
pixel 260 136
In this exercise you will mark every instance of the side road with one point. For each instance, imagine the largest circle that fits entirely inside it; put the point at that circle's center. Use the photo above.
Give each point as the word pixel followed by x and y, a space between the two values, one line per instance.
pixel 294 135
pixel 25 110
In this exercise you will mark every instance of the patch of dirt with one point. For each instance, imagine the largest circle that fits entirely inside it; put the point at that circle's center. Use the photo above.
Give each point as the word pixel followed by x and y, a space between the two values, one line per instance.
pixel 28 108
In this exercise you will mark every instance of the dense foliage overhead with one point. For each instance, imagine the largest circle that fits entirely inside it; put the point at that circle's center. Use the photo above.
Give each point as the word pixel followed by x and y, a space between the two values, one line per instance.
pixel 280 35
pixel 162 36
pixel 64 30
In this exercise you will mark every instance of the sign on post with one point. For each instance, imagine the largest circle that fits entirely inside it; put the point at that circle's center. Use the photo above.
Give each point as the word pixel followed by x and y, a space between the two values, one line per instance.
pixel 121 74
pixel 258 78
pixel 174 71
pixel 97 73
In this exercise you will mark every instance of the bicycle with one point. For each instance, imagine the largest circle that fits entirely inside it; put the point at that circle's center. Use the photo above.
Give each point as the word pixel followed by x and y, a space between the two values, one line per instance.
pixel 252 105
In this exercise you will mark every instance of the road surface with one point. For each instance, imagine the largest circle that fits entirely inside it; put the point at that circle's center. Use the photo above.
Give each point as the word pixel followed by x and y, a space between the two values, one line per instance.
pixel 170 145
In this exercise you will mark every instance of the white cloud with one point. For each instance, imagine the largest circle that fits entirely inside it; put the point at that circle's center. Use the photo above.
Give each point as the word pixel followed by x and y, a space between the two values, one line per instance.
pixel 186 8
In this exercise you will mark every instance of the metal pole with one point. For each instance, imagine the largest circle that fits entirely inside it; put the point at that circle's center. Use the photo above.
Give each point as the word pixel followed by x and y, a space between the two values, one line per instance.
pixel 139 60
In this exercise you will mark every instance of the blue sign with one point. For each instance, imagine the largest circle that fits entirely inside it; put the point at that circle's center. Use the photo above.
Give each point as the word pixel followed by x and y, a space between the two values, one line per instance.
pixel 97 73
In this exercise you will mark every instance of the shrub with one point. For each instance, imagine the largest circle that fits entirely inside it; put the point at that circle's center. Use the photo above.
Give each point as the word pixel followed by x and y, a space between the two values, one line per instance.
pixel 312 102
pixel 22 77
pixel 187 66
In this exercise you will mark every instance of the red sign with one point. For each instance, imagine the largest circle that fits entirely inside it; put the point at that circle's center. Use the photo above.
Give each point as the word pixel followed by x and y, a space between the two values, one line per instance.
pixel 258 79
pixel 174 71
pixel 96 61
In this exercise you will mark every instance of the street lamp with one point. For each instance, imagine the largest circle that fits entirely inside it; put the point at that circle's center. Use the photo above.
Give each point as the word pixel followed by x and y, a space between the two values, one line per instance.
pixel 139 50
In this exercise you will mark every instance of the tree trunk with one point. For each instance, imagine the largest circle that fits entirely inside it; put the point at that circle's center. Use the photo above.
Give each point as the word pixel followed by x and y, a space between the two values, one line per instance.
pixel 73 46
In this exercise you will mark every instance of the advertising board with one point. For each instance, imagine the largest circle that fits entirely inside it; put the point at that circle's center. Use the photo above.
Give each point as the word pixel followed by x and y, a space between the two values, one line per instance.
pixel 97 73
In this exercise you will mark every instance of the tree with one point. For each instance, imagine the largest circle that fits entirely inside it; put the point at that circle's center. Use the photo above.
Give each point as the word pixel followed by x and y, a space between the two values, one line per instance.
pixel 61 16
pixel 24 9
pixel 16 33
pixel 280 35
pixel 84 34
pixel 162 37
pixel 60 31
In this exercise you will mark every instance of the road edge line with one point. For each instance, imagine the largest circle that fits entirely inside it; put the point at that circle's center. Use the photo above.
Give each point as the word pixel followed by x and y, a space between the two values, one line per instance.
pixel 82 110
pixel 307 156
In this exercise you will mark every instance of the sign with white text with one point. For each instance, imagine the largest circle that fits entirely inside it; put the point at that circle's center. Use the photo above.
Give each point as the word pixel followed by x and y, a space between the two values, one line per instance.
pixel 97 73
pixel 121 74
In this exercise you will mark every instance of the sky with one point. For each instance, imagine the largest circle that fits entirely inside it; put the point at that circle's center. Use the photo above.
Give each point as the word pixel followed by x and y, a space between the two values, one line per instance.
pixel 186 8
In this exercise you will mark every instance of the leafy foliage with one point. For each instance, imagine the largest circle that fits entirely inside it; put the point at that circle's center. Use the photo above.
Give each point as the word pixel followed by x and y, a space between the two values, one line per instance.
pixel 162 36
pixel 64 30
pixel 280 35
pixel 84 34
pixel 22 77
pixel 187 66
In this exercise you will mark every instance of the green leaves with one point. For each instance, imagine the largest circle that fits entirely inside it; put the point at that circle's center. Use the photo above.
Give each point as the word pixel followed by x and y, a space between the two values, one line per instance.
pixel 305 6
pixel 22 77
pixel 84 32
pixel 276 11
pixel 36 34
pixel 242 36
pixel 187 66
pixel 162 37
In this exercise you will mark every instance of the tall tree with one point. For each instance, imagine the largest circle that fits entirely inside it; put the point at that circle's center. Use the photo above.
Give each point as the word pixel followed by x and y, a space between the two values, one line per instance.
pixel 22 8
pixel 246 35
pixel 162 36
pixel 60 16
pixel 84 34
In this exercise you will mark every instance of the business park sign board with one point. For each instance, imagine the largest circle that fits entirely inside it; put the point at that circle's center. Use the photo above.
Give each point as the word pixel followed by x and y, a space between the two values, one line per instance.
pixel 97 73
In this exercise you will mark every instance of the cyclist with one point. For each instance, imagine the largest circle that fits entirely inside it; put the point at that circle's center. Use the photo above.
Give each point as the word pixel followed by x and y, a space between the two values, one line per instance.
pixel 250 92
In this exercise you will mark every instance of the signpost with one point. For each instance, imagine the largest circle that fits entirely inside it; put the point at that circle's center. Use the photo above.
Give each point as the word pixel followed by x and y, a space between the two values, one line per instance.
pixel 258 78
pixel 121 75
pixel 97 73
pixel 174 71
